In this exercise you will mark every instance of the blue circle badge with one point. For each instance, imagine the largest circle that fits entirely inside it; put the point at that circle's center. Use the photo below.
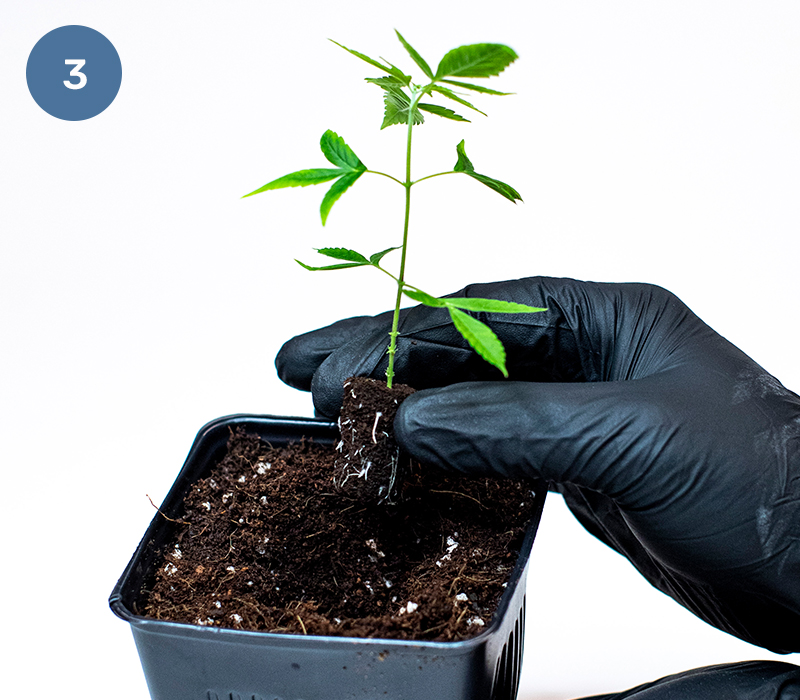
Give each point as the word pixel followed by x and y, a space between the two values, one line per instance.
pixel 74 73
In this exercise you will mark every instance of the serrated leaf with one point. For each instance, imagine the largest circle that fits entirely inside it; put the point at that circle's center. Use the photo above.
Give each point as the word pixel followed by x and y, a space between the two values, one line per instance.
pixel 329 267
pixel 343 254
pixel 375 258
pixel 451 95
pixel 476 88
pixel 362 56
pixel 497 306
pixel 395 71
pixel 415 56
pixel 337 189
pixel 424 298
pixel 481 338
pixel 301 178
pixel 339 153
pixel 463 164
pixel 476 61
pixel 396 105
pixel 440 111
pixel 386 82
pixel 500 187
pixel 392 70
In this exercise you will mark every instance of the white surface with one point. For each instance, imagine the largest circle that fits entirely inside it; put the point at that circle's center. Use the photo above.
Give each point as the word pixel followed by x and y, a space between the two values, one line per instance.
pixel 652 141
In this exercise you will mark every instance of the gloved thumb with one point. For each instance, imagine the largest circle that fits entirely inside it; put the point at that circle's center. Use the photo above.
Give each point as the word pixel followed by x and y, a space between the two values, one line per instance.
pixel 611 437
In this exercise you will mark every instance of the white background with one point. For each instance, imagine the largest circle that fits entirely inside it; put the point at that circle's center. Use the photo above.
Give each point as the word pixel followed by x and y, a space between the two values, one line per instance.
pixel 651 141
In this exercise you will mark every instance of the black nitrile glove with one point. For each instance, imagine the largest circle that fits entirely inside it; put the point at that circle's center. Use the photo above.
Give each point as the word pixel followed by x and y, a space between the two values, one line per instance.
pixel 750 680
pixel 667 442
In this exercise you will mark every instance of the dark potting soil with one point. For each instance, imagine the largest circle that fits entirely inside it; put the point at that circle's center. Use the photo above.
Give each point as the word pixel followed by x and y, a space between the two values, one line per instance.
pixel 266 542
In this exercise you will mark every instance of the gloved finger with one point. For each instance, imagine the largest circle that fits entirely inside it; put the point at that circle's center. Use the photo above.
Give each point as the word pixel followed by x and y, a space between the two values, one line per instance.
pixel 430 353
pixel 561 432
pixel 620 439
pixel 749 680
pixel 590 332
pixel 428 335
pixel 302 355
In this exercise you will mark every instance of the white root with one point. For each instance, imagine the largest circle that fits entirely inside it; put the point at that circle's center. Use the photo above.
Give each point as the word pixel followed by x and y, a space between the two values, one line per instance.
pixel 375 427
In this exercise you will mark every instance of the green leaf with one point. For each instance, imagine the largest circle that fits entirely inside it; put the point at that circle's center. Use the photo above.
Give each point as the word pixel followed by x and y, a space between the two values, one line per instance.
pixel 497 306
pixel 375 258
pixel 500 187
pixel 451 95
pixel 337 189
pixel 339 153
pixel 442 112
pixel 481 338
pixel 476 61
pixel 464 165
pixel 424 298
pixel 386 82
pixel 336 151
pixel 396 105
pixel 395 71
pixel 301 178
pixel 343 254
pixel 329 267
pixel 392 70
pixel 476 88
pixel 415 56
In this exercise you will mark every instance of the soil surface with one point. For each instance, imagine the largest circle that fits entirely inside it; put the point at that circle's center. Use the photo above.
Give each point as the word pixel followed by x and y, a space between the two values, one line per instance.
pixel 267 543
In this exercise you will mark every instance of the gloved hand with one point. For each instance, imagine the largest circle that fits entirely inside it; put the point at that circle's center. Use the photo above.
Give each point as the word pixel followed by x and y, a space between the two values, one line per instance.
pixel 667 442
pixel 749 680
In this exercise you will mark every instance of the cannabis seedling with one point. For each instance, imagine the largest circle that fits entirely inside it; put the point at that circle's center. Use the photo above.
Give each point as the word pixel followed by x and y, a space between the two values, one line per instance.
pixel 403 105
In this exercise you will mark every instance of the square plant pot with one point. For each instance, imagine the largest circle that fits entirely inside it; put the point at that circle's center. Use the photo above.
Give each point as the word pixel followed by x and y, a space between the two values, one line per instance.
pixel 187 662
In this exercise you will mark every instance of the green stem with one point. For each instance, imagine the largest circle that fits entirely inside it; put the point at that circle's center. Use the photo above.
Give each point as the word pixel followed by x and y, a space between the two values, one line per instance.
pixel 428 177
pixel 406 285
pixel 377 172
pixel 415 96
pixel 386 272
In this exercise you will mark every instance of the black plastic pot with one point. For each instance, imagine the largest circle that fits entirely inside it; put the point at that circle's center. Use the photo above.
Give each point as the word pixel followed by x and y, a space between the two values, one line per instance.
pixel 186 662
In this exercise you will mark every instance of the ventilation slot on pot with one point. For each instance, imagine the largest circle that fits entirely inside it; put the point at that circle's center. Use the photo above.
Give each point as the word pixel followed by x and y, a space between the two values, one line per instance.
pixel 213 695
pixel 506 674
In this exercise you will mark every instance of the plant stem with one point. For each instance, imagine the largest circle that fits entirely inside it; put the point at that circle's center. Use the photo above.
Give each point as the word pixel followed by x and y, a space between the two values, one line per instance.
pixel 377 172
pixel 415 96
pixel 428 177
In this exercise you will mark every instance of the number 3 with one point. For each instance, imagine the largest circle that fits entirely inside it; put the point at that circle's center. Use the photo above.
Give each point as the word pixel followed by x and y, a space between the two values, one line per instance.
pixel 76 71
